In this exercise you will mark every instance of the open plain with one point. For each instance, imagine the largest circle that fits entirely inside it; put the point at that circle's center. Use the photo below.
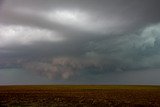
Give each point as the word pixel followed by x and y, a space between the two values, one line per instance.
pixel 79 96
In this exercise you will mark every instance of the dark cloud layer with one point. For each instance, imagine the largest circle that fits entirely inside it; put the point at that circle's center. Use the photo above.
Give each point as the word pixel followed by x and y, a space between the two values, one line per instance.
pixel 70 39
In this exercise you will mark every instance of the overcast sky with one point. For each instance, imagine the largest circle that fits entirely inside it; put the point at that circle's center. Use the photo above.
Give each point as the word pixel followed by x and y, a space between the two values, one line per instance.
pixel 80 41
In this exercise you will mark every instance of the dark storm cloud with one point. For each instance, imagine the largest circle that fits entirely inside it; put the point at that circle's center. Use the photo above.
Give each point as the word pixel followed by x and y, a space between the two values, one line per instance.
pixel 67 38
pixel 135 13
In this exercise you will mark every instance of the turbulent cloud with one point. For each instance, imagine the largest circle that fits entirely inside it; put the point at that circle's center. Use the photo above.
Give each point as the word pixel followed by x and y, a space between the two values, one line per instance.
pixel 136 51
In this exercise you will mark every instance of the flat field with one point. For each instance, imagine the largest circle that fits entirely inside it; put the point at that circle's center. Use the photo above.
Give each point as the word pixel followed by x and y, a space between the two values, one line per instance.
pixel 79 96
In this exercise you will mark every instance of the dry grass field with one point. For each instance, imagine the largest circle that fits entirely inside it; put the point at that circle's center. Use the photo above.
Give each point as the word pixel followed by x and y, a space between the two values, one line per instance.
pixel 79 96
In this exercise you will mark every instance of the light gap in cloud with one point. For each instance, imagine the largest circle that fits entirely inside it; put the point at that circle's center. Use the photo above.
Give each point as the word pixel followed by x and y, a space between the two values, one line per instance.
pixel 25 35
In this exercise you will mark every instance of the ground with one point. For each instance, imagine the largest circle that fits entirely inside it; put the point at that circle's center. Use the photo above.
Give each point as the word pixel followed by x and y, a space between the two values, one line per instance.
pixel 79 96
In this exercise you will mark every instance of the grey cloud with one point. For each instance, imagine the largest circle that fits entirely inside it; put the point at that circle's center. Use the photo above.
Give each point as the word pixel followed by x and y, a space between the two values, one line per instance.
pixel 135 12
pixel 112 36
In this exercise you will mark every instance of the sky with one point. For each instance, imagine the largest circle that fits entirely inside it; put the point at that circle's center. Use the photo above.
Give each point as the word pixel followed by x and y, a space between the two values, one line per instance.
pixel 80 42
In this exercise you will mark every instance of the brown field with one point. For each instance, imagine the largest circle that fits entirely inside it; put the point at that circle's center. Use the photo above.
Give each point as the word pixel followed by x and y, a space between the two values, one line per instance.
pixel 79 96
